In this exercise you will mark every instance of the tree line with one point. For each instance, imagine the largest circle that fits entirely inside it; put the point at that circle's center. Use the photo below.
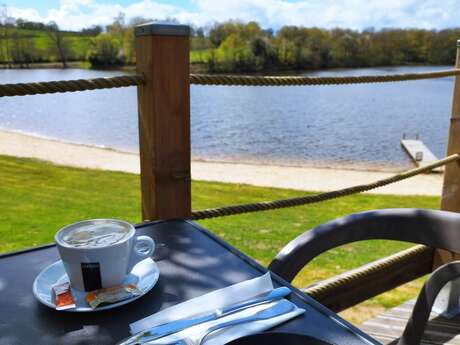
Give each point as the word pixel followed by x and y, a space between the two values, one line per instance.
pixel 232 46
pixel 246 47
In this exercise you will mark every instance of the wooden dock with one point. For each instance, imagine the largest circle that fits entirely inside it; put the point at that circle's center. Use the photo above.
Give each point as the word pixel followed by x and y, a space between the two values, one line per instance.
pixel 388 327
pixel 419 153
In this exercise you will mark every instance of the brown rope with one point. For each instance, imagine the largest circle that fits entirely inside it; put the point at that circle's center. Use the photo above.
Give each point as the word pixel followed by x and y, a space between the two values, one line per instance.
pixel 301 80
pixel 327 286
pixel 23 89
pixel 309 199
pixel 386 273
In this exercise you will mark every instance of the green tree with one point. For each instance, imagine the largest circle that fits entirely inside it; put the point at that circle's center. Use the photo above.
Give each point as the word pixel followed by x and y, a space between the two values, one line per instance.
pixel 105 51
pixel 128 46
pixel 234 54
pixel 240 48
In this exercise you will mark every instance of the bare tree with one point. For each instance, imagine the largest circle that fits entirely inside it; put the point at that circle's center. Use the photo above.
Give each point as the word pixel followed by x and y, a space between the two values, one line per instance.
pixel 5 23
pixel 22 50
pixel 58 39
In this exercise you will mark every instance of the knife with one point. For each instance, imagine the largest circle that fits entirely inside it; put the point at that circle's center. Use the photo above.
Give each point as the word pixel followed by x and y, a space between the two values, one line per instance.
pixel 179 325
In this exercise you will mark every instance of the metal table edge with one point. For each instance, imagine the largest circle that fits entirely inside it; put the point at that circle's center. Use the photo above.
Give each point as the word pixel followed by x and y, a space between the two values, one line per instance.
pixel 27 250
pixel 49 245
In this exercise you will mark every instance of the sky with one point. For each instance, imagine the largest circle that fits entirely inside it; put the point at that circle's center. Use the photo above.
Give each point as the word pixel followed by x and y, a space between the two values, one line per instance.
pixel 353 14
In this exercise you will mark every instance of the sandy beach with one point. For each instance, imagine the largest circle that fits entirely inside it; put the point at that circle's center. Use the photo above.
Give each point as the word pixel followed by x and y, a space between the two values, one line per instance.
pixel 301 178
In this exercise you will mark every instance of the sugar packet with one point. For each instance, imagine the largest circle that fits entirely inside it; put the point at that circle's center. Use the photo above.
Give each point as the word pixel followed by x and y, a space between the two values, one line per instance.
pixel 112 294
pixel 63 296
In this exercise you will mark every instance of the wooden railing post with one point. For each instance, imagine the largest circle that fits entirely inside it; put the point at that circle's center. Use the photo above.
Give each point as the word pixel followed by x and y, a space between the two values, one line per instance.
pixel 450 199
pixel 448 300
pixel 162 57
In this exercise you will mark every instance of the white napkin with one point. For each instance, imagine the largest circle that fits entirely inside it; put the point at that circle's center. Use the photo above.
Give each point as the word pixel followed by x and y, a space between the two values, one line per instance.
pixel 211 301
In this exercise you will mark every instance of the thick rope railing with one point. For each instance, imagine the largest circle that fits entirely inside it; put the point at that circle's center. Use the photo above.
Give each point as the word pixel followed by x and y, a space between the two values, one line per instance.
pixel 318 290
pixel 302 80
pixel 310 199
pixel 23 89
pixel 328 291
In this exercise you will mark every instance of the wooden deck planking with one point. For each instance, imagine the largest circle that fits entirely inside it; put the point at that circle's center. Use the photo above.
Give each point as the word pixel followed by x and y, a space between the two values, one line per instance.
pixel 388 327
pixel 412 147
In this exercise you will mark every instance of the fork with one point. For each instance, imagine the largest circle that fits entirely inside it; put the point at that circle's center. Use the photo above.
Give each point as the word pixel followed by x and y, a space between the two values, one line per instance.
pixel 278 309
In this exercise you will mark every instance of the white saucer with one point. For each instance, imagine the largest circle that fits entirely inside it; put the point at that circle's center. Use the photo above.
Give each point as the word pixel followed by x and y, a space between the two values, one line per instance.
pixel 144 275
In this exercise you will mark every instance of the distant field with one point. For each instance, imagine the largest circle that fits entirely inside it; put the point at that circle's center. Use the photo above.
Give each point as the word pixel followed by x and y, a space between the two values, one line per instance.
pixel 77 44
pixel 44 48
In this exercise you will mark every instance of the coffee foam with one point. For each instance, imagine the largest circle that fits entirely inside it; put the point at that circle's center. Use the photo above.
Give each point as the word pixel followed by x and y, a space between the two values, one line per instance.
pixel 95 235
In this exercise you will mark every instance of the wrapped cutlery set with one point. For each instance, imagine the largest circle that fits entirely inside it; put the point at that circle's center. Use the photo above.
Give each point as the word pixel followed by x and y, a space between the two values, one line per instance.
pixel 241 309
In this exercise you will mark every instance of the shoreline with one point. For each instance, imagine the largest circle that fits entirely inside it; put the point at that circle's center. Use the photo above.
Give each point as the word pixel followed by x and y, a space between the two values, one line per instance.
pixel 41 65
pixel 194 67
pixel 323 165
pixel 312 164
pixel 200 67
pixel 320 179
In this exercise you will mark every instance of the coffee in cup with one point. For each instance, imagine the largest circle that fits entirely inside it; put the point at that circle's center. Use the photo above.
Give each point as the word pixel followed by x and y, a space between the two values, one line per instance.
pixel 100 253
pixel 95 235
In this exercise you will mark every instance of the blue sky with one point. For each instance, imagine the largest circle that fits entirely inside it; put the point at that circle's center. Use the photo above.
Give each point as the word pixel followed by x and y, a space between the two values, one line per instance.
pixel 354 14
pixel 42 6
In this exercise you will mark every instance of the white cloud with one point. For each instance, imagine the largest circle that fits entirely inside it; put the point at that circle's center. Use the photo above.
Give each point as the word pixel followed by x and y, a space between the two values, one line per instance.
pixel 355 14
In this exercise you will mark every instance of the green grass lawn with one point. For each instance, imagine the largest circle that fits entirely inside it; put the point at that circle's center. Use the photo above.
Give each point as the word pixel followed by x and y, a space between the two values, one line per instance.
pixel 38 198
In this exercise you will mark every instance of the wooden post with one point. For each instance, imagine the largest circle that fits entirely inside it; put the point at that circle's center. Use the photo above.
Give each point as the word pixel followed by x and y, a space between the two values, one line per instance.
pixel 451 189
pixel 448 303
pixel 162 55
pixel 450 199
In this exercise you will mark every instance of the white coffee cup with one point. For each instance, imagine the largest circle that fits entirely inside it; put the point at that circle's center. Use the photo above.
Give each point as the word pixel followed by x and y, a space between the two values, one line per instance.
pixel 100 261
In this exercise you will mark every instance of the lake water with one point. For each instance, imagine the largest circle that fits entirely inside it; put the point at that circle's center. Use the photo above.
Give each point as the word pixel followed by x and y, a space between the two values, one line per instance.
pixel 355 126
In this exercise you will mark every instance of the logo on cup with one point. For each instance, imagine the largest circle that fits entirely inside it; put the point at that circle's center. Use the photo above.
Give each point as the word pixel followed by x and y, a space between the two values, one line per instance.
pixel 91 273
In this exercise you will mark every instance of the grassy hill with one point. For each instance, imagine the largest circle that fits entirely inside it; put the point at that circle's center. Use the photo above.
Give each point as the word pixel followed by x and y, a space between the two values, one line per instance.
pixel 40 46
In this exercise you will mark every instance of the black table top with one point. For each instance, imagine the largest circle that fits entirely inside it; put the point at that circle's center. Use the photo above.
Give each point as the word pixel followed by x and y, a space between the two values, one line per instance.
pixel 193 262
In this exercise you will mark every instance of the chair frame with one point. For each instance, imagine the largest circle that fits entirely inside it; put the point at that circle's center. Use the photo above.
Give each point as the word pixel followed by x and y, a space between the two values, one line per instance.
pixel 438 229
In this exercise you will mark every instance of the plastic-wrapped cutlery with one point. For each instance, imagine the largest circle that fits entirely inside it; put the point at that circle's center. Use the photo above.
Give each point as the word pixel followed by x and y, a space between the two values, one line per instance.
pixel 178 325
